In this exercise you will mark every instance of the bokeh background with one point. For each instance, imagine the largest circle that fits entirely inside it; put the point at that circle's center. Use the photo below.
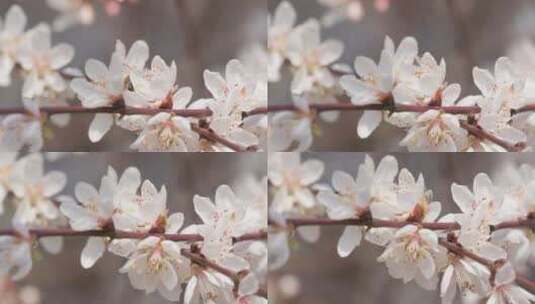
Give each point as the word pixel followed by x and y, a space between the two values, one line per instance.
pixel 466 33
pixel 200 34
pixel 61 279
pixel 315 274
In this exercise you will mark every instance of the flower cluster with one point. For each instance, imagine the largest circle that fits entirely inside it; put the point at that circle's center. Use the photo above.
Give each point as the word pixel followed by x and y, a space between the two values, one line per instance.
pixel 142 99
pixel 475 251
pixel 210 262
pixel 404 88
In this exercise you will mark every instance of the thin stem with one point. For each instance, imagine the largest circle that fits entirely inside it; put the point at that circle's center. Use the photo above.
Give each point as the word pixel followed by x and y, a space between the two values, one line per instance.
pixel 199 113
pixel 297 222
pixel 211 135
pixel 480 133
pixel 201 260
pixel 116 234
pixel 493 266
pixel 342 106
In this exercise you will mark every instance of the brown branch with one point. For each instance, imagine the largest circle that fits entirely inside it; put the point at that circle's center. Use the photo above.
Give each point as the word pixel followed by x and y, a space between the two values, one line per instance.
pixel 199 113
pixel 297 222
pixel 493 266
pixel 212 136
pixel 202 261
pixel 386 106
pixel 116 234
pixel 526 108
pixel 478 132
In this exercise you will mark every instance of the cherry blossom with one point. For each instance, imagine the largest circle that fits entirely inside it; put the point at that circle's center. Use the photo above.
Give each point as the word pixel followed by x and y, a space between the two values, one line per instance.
pixel 410 256
pixel 280 26
pixel 504 289
pixel 20 130
pixel 94 212
pixel 158 265
pixel 311 57
pixel 12 35
pixel 43 62
pixel 34 191
pixel 16 258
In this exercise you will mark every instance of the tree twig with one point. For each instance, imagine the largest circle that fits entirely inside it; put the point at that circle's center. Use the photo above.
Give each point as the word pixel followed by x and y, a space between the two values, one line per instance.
pixel 297 222
pixel 211 135
pixel 116 234
pixel 493 266
pixel 482 134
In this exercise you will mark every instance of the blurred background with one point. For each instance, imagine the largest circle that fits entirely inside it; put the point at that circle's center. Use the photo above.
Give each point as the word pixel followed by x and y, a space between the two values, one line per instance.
pixel 466 33
pixel 197 34
pixel 61 279
pixel 315 274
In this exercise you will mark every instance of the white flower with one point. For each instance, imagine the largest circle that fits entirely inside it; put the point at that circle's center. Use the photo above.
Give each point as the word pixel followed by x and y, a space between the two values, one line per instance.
pixel 93 213
pixel 502 92
pixel 377 81
pixel 413 200
pixel 410 255
pixel 153 88
pixel 482 208
pixel 461 274
pixel 504 290
pixel 167 133
pixel 7 162
pixel 104 88
pixel 42 62
pixel 519 192
pixel 312 58
pixel 292 127
pixel 19 130
pixel 292 181
pixel 495 117
pixel 382 188
pixel 35 191
pixel 207 287
pixel 350 199
pixel 135 59
pixel 222 220
pixel 143 211
pixel 15 257
pixel 247 291
pixel 233 95
pixel 72 12
pixel 11 37
pixel 157 264
pixel 236 80
pixel 254 193
pixel 280 26
pixel 423 82
pixel 436 131
pixel 278 249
